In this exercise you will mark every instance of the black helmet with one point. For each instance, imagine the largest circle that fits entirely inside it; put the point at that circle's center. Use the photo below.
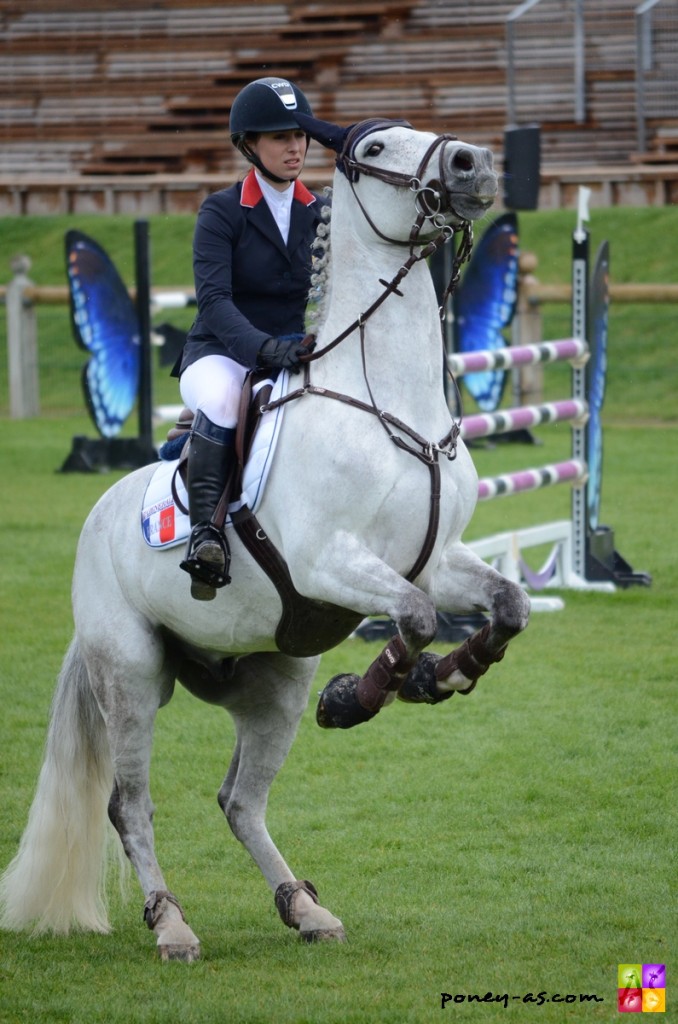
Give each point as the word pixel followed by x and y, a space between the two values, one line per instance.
pixel 266 105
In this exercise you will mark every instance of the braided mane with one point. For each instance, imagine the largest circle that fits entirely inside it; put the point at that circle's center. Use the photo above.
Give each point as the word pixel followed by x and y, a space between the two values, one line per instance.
pixel 318 295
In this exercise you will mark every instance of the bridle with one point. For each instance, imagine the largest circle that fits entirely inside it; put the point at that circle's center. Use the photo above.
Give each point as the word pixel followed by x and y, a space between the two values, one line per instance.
pixel 430 204
pixel 429 199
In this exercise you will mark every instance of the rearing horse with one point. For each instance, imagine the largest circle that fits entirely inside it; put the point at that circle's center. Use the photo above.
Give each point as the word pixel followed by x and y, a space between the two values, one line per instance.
pixel 368 497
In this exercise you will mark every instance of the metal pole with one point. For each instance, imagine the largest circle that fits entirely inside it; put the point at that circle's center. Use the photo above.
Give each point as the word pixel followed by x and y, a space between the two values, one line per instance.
pixel 515 14
pixel 579 64
pixel 143 282
pixel 22 344
pixel 510 74
pixel 580 265
pixel 644 61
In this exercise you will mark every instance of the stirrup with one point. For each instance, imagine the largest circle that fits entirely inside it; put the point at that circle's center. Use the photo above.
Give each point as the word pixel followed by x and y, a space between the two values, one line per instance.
pixel 211 572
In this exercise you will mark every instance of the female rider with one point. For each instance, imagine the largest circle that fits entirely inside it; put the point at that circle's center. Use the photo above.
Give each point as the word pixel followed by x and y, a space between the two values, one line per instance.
pixel 252 267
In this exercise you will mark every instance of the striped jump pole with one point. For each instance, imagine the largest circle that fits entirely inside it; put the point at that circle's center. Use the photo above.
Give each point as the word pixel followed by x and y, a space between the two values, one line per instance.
pixel 572 471
pixel 573 350
pixel 523 418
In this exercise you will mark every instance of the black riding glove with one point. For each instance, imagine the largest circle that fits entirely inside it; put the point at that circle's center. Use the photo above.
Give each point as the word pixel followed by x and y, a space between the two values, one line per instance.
pixel 282 352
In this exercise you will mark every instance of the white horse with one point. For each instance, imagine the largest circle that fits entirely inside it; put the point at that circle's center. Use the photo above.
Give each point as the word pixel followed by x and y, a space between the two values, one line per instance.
pixel 351 504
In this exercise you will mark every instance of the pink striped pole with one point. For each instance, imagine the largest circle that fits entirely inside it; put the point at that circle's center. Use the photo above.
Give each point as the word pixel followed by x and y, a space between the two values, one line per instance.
pixel 567 349
pixel 522 418
pixel 573 471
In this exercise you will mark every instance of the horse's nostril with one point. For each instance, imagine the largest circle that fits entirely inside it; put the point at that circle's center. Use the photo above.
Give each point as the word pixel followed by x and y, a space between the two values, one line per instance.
pixel 463 160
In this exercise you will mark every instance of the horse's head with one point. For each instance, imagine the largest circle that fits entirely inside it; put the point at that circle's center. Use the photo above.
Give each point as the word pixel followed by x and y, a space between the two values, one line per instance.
pixel 443 180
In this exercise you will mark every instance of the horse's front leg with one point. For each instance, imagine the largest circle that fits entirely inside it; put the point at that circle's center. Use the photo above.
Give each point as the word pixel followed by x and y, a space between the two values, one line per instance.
pixel 465 583
pixel 266 696
pixel 352 576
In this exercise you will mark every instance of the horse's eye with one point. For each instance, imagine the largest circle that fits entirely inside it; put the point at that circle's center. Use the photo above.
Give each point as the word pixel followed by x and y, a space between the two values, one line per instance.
pixel 375 149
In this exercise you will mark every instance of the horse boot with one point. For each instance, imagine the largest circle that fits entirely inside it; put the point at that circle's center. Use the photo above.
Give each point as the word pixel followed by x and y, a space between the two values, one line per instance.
pixel 211 459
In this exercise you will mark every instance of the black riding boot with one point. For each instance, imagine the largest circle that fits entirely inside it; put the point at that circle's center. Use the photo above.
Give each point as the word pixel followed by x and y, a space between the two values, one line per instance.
pixel 210 460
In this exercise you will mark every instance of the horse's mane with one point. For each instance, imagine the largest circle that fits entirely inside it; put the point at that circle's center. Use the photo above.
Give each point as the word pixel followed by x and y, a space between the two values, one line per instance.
pixel 318 295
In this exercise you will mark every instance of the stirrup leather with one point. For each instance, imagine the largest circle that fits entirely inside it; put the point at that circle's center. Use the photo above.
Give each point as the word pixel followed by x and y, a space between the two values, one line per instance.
pixel 207 571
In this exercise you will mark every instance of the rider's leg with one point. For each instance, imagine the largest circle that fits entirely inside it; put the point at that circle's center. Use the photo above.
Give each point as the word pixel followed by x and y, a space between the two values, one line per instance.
pixel 210 461
pixel 211 387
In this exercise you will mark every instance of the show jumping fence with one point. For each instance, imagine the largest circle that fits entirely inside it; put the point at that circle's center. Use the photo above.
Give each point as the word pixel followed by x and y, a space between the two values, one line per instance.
pixel 582 554
pixel 505 550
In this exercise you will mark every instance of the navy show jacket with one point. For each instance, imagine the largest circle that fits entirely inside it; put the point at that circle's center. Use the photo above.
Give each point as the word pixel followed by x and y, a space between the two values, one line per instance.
pixel 250 286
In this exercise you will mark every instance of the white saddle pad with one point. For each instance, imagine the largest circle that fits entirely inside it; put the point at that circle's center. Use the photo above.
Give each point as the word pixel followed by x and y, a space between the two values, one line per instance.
pixel 163 522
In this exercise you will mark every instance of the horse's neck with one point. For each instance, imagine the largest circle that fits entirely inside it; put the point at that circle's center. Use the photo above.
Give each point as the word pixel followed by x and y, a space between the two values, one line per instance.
pixel 402 337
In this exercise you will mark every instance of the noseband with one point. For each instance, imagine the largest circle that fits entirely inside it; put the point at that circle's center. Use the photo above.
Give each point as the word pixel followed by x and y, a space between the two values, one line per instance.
pixel 430 199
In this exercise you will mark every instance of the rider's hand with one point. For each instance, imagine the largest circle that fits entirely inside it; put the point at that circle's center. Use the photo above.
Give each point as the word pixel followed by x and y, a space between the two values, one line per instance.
pixel 283 352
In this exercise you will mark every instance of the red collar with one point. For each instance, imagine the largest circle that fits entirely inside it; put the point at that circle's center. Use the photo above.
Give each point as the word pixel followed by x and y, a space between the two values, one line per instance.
pixel 251 193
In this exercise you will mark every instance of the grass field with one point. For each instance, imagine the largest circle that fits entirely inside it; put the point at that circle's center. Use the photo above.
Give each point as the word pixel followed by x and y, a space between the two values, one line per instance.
pixel 519 841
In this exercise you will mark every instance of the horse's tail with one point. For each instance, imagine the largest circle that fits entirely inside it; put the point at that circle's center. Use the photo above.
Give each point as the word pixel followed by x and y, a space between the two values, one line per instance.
pixel 56 880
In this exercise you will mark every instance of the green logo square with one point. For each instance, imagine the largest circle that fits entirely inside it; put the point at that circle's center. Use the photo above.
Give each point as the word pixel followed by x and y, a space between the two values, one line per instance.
pixel 630 975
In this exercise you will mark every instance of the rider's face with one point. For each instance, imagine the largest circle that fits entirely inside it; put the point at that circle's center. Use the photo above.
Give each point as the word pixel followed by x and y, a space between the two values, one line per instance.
pixel 282 153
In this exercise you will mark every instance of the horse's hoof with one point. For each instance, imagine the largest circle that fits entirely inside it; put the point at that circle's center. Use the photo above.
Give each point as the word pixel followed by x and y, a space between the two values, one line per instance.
pixel 420 685
pixel 324 935
pixel 186 953
pixel 338 707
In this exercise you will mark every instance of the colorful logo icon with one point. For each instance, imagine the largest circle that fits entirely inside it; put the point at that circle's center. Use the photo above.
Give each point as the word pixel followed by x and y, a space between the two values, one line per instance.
pixel 641 988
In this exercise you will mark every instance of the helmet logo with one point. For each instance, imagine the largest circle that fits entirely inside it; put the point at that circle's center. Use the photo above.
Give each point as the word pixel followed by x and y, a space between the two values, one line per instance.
pixel 283 91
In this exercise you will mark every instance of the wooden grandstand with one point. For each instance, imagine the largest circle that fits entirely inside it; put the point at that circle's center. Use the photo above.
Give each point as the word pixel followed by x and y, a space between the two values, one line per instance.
pixel 139 95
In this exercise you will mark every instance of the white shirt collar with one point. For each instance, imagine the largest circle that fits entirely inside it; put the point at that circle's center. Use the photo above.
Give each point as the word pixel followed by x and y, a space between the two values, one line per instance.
pixel 279 203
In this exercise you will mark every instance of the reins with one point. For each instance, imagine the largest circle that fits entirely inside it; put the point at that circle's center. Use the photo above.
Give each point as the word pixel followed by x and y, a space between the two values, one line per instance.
pixel 428 201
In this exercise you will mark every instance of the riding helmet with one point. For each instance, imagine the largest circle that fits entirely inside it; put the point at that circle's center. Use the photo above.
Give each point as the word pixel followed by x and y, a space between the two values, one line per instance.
pixel 266 105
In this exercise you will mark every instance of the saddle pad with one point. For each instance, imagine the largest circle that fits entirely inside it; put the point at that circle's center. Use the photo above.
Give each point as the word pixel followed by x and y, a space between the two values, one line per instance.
pixel 164 524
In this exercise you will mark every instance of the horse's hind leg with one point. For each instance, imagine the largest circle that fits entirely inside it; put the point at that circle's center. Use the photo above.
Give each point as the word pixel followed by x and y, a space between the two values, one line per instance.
pixel 466 583
pixel 130 686
pixel 267 698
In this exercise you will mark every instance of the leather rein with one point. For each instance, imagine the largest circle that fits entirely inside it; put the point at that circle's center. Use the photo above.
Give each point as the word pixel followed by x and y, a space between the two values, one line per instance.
pixel 430 203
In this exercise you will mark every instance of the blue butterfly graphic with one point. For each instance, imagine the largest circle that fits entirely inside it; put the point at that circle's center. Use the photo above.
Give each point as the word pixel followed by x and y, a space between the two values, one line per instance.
pixel 105 324
pixel 484 304
pixel 595 379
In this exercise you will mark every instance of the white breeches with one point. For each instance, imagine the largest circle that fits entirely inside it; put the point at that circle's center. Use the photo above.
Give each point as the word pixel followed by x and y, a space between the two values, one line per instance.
pixel 213 384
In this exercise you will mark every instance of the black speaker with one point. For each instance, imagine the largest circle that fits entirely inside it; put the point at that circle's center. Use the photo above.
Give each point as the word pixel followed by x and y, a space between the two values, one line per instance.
pixel 522 160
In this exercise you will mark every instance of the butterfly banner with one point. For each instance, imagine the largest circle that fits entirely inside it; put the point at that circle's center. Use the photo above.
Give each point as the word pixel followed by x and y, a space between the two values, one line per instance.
pixel 105 324
pixel 484 305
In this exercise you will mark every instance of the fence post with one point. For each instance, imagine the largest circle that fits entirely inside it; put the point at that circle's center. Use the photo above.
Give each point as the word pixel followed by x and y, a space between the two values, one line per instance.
pixel 526 329
pixel 22 344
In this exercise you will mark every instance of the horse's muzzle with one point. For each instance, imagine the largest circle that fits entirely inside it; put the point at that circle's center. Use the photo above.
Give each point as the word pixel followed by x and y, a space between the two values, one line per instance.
pixel 471 183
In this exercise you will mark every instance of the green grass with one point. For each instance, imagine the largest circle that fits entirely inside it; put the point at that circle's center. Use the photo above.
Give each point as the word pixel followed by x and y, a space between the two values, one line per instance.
pixel 519 840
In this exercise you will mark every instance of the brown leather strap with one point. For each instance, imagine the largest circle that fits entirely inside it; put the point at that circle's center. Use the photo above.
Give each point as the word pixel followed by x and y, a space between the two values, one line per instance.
pixel 472 658
pixel 433 523
pixel 153 907
pixel 306 626
pixel 389 288
pixel 243 411
pixel 385 673
pixel 285 898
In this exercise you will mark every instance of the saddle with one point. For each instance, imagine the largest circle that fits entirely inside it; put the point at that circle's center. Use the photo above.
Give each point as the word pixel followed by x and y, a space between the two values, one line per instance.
pixel 255 394
pixel 306 627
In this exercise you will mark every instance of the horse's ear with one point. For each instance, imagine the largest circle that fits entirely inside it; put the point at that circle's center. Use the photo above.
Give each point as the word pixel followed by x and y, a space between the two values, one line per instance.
pixel 333 136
